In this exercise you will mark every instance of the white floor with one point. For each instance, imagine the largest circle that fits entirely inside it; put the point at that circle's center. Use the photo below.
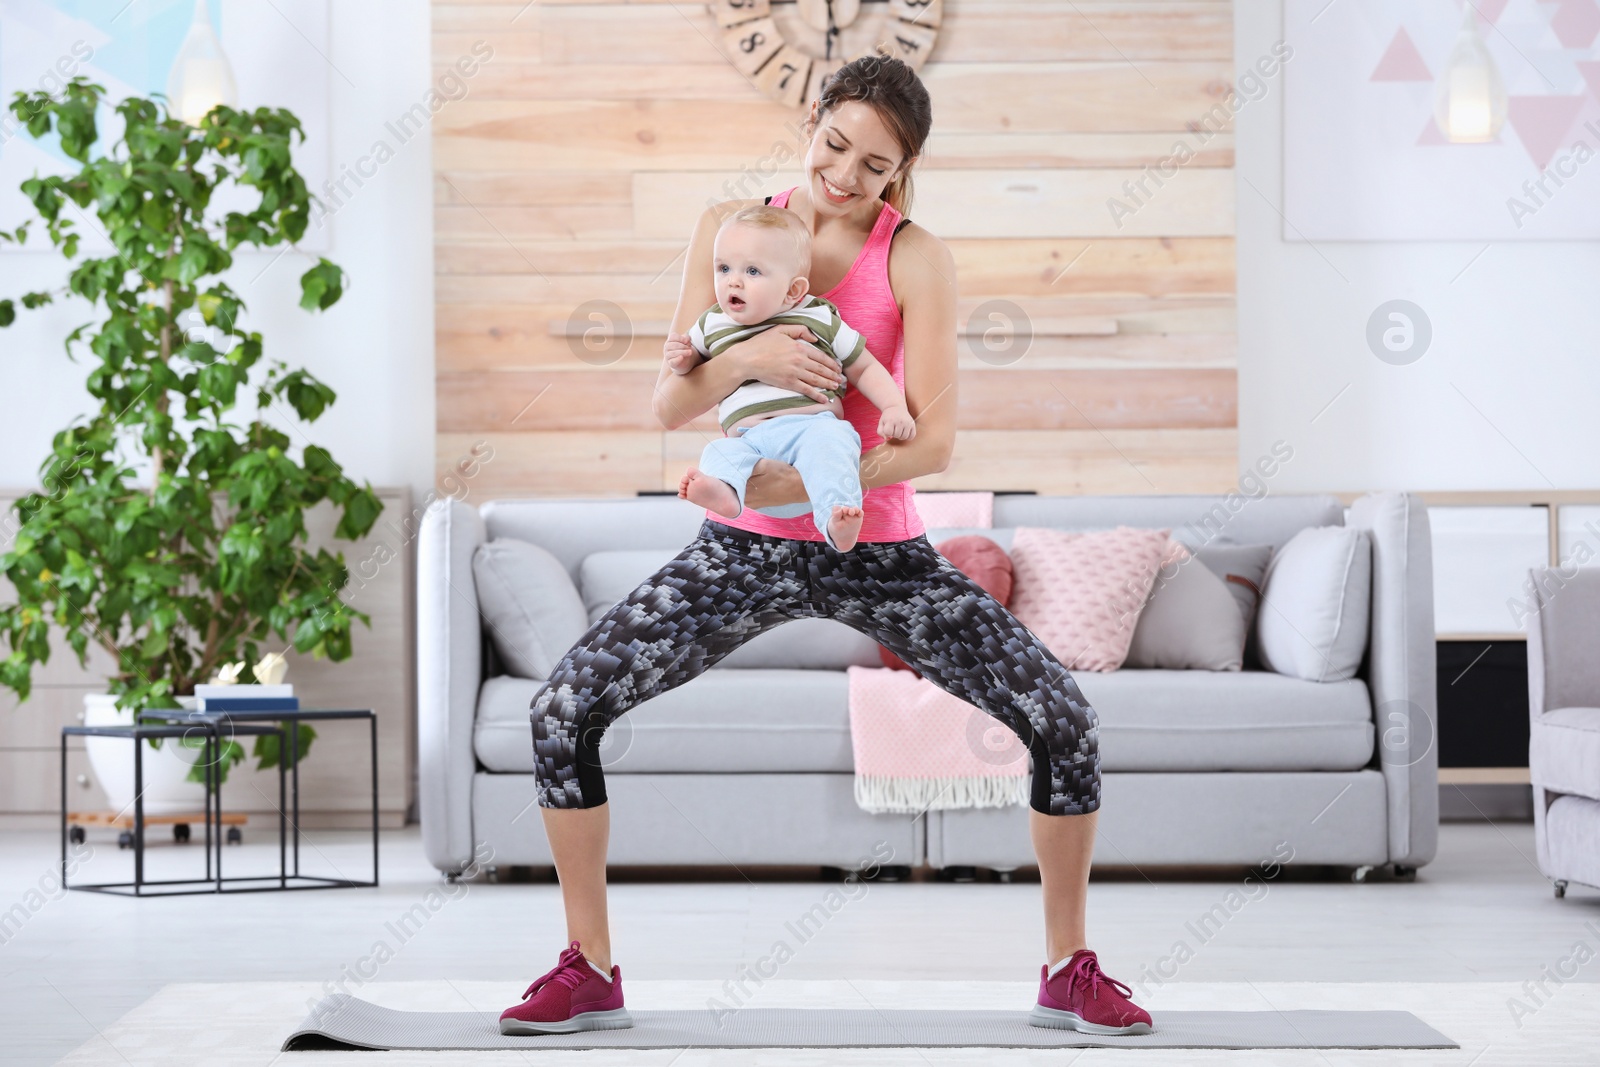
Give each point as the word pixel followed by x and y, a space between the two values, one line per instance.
pixel 1457 946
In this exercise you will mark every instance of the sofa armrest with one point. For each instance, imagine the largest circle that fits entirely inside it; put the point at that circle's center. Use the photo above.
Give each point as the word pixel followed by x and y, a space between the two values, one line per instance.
pixel 1403 668
pixel 449 674
pixel 1563 627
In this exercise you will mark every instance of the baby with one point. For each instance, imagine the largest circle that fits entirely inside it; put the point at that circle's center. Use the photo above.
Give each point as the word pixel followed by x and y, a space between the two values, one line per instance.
pixel 760 260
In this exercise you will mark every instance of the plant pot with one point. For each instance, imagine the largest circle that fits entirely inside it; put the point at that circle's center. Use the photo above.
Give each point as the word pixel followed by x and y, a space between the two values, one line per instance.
pixel 166 788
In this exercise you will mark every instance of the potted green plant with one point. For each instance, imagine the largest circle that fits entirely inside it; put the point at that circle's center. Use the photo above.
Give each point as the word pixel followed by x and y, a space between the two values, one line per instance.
pixel 170 529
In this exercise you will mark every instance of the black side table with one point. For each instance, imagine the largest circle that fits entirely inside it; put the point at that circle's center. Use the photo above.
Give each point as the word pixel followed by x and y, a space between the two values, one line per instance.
pixel 225 723
pixel 215 727
pixel 211 752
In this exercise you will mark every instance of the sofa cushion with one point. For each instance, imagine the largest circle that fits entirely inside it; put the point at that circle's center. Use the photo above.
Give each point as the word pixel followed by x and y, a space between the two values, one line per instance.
pixel 530 607
pixel 1564 751
pixel 725 721
pixel 1163 720
pixel 803 644
pixel 736 721
pixel 1315 605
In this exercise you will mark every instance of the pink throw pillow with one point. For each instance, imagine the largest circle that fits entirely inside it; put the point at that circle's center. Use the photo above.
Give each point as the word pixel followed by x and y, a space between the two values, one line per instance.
pixel 955 509
pixel 1081 593
pixel 978 558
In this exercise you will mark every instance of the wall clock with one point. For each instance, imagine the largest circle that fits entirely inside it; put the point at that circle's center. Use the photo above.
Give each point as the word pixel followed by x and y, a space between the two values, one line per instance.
pixel 787 47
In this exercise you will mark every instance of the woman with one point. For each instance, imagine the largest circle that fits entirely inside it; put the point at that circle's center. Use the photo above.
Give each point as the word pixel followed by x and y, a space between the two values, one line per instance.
pixel 895 283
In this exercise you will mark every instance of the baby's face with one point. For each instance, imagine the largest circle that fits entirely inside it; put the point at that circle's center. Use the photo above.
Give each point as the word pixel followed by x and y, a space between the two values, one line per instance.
pixel 754 272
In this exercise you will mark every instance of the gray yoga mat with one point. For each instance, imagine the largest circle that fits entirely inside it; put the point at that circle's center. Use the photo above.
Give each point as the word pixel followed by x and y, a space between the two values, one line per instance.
pixel 342 1021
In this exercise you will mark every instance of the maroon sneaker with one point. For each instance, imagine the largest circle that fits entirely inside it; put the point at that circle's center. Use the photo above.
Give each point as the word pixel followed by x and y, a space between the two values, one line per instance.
pixel 571 997
pixel 1084 998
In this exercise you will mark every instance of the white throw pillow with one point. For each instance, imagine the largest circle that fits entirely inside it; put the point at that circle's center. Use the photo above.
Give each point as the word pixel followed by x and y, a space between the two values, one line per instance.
pixel 530 607
pixel 1315 605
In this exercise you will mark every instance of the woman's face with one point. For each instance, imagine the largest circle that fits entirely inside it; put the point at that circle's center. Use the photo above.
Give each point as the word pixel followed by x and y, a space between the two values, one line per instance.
pixel 851 151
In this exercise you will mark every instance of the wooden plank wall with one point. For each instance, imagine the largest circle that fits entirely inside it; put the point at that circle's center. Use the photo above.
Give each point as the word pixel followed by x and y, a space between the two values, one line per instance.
pixel 573 168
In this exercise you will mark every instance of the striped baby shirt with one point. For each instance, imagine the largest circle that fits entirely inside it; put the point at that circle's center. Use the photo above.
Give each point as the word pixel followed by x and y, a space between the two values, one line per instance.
pixel 714 332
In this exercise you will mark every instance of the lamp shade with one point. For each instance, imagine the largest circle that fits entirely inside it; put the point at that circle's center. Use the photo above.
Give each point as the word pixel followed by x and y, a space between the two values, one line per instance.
pixel 1470 100
pixel 201 77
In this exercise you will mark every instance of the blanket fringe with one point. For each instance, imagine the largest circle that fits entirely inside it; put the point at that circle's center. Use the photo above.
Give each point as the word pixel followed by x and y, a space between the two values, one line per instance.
pixel 882 795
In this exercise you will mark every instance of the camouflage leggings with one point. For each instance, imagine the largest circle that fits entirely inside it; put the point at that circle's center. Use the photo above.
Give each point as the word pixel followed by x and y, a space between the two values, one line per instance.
pixel 729 585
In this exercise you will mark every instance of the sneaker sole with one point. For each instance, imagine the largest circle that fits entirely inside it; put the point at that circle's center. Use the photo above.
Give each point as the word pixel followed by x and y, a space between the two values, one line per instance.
pixel 616 1019
pixel 1056 1019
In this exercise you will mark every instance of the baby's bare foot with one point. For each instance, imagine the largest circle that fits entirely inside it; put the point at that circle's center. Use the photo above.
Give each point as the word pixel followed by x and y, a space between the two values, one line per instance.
pixel 711 493
pixel 844 527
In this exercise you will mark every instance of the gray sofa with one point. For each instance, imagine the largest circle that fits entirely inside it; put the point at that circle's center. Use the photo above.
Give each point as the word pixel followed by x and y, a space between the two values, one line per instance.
pixel 751 762
pixel 1564 726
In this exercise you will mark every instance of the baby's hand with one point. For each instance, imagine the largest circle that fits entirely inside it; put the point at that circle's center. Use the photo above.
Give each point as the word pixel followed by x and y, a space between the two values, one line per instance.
pixel 897 423
pixel 679 353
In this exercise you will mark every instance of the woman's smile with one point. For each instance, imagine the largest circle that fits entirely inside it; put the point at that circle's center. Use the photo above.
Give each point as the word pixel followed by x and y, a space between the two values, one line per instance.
pixel 834 194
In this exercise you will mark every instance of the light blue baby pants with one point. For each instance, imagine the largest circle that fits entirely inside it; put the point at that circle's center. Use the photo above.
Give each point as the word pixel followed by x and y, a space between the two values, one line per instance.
pixel 824 448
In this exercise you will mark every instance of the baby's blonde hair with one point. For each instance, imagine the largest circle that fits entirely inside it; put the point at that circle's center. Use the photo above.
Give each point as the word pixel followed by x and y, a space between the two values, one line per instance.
pixel 769 217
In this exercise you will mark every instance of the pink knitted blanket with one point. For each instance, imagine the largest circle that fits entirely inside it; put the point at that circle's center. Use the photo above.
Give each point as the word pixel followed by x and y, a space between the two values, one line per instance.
pixel 918 748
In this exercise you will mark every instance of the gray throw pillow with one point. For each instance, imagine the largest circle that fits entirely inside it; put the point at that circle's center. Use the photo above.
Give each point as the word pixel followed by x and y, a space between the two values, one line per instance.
pixel 1244 569
pixel 1200 610
pixel 529 605
pixel 1315 604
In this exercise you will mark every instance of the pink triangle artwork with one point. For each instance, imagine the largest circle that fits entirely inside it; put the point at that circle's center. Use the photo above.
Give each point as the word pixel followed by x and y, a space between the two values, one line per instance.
pixel 1590 69
pixel 1576 23
pixel 1367 154
pixel 1402 62
pixel 1542 123
pixel 1490 10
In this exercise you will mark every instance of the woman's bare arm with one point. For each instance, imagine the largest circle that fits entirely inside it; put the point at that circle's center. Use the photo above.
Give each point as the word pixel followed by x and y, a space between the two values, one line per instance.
pixel 780 356
pixel 922 270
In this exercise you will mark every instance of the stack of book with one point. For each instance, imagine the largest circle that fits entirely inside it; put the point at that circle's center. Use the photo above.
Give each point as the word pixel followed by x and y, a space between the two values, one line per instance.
pixel 246 697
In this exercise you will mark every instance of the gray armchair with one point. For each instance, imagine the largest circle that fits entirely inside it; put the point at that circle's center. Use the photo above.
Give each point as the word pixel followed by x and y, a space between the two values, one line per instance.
pixel 1564 734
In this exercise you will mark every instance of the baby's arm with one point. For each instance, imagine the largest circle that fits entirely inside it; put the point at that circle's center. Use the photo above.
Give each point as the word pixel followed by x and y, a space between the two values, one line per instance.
pixel 868 375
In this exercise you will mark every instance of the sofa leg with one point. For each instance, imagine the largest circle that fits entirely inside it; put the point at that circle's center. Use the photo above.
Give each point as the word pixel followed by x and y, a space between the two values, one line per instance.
pixel 1402 873
pixel 1361 873
pixel 1561 889
pixel 1001 874
pixel 957 873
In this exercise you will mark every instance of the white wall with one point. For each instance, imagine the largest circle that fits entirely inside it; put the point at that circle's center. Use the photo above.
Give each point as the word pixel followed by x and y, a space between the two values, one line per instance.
pixel 1506 397
pixel 375 347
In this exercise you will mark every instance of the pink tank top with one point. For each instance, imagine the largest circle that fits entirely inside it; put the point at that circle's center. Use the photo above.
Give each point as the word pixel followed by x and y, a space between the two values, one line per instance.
pixel 866 302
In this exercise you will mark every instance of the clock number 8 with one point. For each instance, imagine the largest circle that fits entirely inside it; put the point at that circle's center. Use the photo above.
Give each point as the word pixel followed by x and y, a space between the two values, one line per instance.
pixel 752 42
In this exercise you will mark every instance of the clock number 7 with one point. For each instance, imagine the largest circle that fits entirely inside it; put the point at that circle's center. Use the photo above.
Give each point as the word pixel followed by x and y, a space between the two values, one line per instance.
pixel 788 72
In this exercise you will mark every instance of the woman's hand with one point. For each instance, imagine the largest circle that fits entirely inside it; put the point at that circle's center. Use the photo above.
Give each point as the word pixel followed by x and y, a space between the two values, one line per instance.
pixel 783 356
